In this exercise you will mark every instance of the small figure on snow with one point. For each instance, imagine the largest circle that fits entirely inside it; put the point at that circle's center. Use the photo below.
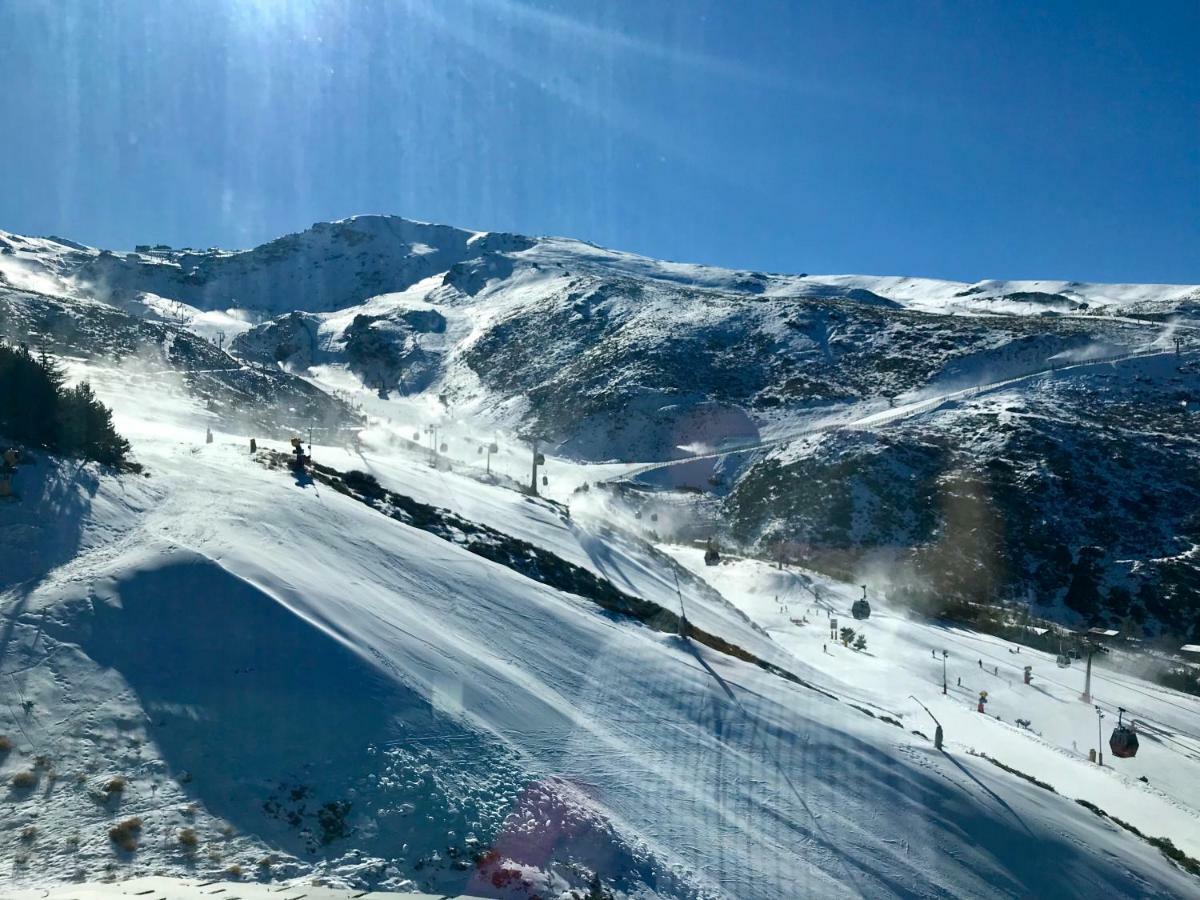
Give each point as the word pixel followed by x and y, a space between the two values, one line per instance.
pixel 300 460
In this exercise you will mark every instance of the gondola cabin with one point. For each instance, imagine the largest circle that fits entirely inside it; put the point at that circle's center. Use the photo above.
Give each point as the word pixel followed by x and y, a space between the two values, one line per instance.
pixel 1124 740
pixel 861 608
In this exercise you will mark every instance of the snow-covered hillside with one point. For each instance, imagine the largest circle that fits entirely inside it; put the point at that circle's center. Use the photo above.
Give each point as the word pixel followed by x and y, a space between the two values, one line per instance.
pixel 605 354
pixel 409 673
pixel 309 687
pixel 608 356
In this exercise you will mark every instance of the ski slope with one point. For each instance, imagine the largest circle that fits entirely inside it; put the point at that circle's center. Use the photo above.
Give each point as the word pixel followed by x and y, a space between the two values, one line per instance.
pixel 903 665
pixel 298 678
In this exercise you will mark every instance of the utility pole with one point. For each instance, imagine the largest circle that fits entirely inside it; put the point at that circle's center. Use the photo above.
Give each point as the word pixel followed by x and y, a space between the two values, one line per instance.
pixel 1100 735
pixel 491 448
pixel 944 655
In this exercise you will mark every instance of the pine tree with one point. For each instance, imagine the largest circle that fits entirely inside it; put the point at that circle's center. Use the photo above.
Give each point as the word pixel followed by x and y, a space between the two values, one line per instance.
pixel 860 643
pixel 36 409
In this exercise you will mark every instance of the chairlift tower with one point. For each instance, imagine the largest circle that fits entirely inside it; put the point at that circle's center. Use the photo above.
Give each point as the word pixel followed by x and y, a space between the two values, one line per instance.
pixel 432 431
pixel 539 459
pixel 1090 650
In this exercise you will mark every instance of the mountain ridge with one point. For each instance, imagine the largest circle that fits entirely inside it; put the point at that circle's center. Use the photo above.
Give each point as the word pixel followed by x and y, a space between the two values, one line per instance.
pixel 925 293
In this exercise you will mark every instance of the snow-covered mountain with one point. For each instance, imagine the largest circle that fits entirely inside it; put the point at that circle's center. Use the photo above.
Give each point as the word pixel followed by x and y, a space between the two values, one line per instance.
pixel 604 356
pixel 405 674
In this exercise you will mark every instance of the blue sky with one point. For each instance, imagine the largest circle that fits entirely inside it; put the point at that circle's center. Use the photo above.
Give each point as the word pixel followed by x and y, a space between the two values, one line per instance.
pixel 959 139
